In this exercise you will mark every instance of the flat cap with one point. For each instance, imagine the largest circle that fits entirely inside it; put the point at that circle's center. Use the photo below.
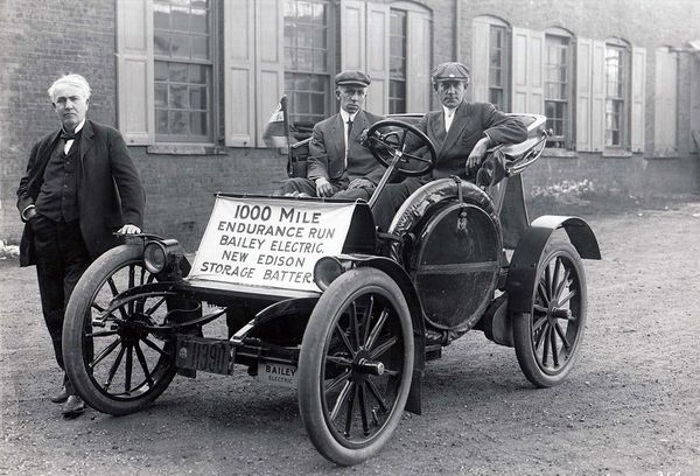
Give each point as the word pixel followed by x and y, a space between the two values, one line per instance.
pixel 450 71
pixel 354 77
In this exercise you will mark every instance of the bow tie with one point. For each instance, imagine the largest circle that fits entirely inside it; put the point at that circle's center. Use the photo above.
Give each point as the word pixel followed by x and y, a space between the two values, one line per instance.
pixel 68 135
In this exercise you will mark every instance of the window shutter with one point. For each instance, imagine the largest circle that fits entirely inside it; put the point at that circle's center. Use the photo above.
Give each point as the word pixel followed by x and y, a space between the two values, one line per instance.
pixel 598 96
pixel 378 58
pixel 480 60
pixel 352 40
pixel 239 83
pixel 665 101
pixel 528 87
pixel 639 60
pixel 418 62
pixel 270 65
pixel 135 71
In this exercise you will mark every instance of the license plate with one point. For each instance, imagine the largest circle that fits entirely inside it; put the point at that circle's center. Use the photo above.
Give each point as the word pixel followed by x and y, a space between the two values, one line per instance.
pixel 282 375
pixel 205 354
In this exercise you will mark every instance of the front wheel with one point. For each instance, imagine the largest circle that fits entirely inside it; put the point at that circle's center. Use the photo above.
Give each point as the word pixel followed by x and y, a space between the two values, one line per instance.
pixel 548 339
pixel 355 366
pixel 112 360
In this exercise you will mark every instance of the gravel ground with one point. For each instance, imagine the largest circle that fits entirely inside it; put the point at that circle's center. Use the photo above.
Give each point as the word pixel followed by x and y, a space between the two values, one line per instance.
pixel 631 406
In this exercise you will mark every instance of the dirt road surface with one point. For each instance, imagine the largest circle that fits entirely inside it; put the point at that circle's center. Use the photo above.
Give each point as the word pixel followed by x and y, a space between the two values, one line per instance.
pixel 631 406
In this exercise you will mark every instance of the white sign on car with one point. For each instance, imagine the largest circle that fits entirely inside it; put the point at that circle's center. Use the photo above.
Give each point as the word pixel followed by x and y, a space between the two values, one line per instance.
pixel 269 242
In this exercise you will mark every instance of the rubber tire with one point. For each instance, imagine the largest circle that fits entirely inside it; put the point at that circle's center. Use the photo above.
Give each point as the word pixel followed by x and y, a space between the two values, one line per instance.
pixel 530 363
pixel 339 296
pixel 78 310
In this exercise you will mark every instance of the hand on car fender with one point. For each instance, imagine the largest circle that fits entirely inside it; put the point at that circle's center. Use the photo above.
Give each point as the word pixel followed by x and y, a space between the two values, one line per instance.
pixel 128 229
pixel 477 155
pixel 323 187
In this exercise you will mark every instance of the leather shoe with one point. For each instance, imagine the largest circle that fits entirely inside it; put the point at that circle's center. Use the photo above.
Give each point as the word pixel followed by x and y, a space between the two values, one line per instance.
pixel 73 407
pixel 61 396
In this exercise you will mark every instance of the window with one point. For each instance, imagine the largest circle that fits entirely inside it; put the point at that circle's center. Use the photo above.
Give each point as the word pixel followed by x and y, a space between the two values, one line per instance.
pixel 491 62
pixel 498 67
pixel 183 70
pixel 558 90
pixel 397 62
pixel 307 52
pixel 616 93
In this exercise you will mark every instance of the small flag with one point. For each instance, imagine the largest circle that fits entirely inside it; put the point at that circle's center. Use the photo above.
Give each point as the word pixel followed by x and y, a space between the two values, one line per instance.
pixel 275 134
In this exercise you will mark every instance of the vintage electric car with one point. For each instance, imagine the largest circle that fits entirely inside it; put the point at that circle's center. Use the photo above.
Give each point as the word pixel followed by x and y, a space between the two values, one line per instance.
pixel 313 297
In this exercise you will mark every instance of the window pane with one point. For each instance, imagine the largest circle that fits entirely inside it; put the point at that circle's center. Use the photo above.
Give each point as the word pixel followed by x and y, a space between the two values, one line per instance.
pixel 557 90
pixel 183 70
pixel 307 59
pixel 616 104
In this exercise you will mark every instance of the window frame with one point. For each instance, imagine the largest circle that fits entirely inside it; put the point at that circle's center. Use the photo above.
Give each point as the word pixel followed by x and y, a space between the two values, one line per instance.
pixel 567 139
pixel 213 88
pixel 622 99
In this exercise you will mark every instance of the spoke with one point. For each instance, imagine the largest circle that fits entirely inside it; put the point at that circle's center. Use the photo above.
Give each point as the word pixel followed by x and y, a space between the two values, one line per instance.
pixel 364 409
pixel 545 349
pixel 342 398
pixel 342 378
pixel 370 341
pixel 561 283
pixel 547 283
pixel 156 348
pixel 128 369
pixel 115 367
pixel 132 278
pixel 98 307
pixel 556 283
pixel 367 318
pixel 562 336
pixel 345 339
pixel 555 352
pixel 150 279
pixel 567 297
pixel 377 395
pixel 153 308
pixel 101 334
pixel 112 286
pixel 539 323
pixel 339 360
pixel 354 324
pixel 543 292
pixel 382 348
pixel 350 410
pixel 105 352
pixel 144 365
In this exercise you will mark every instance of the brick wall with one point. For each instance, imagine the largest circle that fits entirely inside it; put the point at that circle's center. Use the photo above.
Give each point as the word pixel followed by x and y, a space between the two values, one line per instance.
pixel 41 40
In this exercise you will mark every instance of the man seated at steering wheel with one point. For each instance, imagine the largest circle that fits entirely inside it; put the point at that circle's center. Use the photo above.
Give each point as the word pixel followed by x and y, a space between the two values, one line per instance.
pixel 338 164
pixel 461 132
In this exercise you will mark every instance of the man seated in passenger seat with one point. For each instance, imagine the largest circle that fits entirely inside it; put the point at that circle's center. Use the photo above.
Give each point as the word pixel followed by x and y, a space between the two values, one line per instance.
pixel 338 165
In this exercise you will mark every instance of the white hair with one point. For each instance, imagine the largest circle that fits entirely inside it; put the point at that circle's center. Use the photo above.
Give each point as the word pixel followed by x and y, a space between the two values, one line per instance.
pixel 71 79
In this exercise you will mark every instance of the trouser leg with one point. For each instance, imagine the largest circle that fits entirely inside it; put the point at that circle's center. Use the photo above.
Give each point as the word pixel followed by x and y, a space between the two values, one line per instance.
pixel 61 260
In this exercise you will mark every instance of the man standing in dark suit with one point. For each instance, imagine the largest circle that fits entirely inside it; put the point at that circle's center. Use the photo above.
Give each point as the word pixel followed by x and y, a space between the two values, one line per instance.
pixel 80 189
pixel 338 165
pixel 462 132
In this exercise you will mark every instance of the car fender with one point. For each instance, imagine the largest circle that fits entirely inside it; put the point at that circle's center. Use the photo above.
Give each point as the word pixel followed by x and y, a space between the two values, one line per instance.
pixel 522 271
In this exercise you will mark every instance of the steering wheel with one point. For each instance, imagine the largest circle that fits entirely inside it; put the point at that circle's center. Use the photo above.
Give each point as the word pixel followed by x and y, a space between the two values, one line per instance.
pixel 389 140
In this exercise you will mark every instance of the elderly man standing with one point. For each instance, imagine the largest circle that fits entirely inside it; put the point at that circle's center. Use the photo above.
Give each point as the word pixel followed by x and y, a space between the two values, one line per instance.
pixel 462 132
pixel 81 189
pixel 338 164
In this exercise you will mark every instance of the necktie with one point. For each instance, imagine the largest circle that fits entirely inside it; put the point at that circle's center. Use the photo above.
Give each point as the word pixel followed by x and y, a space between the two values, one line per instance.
pixel 68 135
pixel 347 141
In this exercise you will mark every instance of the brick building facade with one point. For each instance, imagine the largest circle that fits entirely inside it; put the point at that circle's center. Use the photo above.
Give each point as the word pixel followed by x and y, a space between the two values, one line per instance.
pixel 563 57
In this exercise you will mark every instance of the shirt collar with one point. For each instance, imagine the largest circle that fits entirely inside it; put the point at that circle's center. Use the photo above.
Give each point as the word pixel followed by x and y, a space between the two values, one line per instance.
pixel 79 127
pixel 449 111
pixel 347 116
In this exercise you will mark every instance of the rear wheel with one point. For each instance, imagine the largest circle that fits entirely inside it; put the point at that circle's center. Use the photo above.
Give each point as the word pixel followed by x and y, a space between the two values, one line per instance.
pixel 113 361
pixel 548 339
pixel 355 366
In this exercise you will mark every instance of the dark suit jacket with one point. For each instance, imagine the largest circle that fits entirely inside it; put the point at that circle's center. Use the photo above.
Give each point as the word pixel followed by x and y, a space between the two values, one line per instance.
pixel 327 151
pixel 470 123
pixel 110 193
